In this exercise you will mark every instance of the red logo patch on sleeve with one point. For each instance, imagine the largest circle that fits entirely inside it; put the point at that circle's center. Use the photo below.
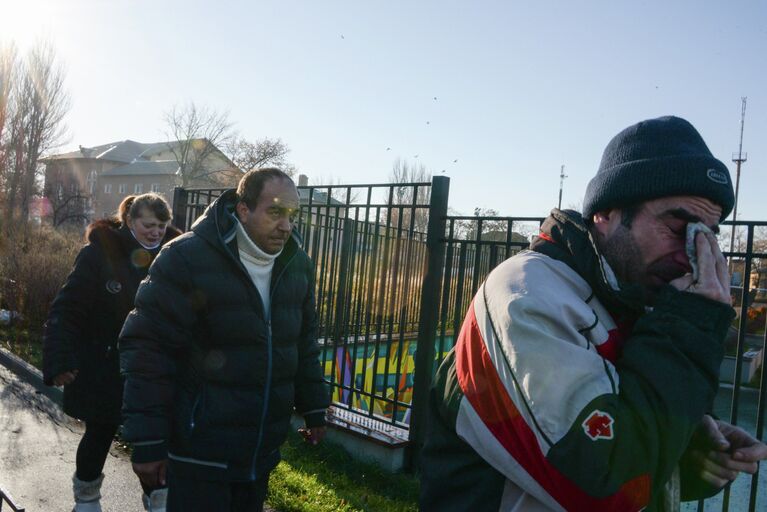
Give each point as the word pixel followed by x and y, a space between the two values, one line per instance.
pixel 599 425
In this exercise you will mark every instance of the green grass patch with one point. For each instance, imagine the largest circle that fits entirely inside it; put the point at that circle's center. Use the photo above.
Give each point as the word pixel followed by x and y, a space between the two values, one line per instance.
pixel 325 478
pixel 25 343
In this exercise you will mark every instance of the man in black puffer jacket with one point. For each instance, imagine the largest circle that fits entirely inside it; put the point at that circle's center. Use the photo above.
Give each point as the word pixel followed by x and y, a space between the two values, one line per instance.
pixel 220 350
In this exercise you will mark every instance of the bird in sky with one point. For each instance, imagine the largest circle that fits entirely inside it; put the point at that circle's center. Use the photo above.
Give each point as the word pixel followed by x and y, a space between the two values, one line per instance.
pixel 415 156
pixel 454 161
pixel 388 149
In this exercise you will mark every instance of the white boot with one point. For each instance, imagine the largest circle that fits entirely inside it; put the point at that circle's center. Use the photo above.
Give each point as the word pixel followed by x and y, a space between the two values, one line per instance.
pixel 87 494
pixel 155 502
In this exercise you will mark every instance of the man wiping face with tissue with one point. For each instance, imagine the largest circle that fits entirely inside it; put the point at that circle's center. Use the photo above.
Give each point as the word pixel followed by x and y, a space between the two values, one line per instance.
pixel 586 367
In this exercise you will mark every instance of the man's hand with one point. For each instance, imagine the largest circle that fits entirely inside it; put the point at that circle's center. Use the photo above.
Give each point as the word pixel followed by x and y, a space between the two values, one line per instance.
pixel 151 474
pixel 713 278
pixel 314 435
pixel 65 378
pixel 731 451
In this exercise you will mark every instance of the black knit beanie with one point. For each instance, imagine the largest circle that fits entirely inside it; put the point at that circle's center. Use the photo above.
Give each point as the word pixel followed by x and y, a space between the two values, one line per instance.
pixel 657 158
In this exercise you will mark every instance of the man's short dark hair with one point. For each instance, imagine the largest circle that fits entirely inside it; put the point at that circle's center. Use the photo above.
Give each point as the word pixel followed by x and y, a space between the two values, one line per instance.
pixel 250 186
pixel 628 213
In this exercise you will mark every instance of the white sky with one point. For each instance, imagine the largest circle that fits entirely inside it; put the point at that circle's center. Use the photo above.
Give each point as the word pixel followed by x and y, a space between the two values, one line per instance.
pixel 521 87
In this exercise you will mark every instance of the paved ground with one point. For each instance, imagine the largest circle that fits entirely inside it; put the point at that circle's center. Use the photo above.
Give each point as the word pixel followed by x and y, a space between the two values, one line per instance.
pixel 38 444
pixel 37 454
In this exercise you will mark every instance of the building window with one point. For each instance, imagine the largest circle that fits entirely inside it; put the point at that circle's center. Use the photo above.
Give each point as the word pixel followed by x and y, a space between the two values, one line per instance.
pixel 155 187
pixel 108 188
pixel 122 188
pixel 91 181
pixel 138 188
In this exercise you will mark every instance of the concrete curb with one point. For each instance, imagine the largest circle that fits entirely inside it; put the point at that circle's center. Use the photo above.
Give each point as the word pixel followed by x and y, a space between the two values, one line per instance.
pixel 31 375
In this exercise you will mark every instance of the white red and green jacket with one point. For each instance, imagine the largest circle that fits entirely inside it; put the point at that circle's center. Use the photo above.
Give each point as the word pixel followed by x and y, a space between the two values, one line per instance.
pixel 562 393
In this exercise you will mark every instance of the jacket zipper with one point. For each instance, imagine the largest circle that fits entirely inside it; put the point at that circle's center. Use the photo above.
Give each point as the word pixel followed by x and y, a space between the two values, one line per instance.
pixel 194 413
pixel 267 388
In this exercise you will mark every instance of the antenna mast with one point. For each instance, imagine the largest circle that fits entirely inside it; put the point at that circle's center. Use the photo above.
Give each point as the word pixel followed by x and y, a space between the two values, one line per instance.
pixel 562 177
pixel 738 158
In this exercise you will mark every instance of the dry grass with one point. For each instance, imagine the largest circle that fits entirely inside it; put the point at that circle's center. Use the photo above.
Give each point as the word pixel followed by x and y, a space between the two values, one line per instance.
pixel 34 262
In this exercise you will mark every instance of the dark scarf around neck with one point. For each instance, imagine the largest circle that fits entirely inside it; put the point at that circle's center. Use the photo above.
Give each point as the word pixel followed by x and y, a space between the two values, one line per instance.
pixel 566 237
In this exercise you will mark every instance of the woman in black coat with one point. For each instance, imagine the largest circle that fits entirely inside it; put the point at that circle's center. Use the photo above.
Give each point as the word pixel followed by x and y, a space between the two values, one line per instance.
pixel 80 335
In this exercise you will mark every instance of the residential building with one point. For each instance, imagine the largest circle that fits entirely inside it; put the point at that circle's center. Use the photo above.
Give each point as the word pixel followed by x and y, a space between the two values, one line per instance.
pixel 91 182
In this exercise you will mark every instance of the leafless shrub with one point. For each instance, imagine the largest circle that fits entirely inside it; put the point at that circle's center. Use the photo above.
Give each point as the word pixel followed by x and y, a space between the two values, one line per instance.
pixel 33 270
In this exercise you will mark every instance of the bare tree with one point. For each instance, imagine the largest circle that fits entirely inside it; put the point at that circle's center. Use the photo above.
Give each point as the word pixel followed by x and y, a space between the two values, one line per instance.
pixel 37 105
pixel 8 68
pixel 67 204
pixel 404 194
pixel 195 135
pixel 265 152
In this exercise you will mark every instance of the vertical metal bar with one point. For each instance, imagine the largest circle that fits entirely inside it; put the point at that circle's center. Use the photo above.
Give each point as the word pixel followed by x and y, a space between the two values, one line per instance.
pixel 335 281
pixel 352 302
pixel 742 326
pixel 394 295
pixel 180 196
pixel 380 306
pixel 403 309
pixel 760 408
pixel 358 288
pixel 364 289
pixel 427 327
pixel 458 309
pixel 447 279
pixel 493 261
pixel 477 257
pixel 369 312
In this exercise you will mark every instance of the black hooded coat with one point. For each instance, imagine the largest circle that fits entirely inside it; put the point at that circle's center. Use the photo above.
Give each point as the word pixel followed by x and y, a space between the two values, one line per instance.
pixel 212 378
pixel 86 317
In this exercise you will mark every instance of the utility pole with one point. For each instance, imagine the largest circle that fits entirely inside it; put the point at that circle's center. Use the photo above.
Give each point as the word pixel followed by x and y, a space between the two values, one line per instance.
pixel 562 177
pixel 738 158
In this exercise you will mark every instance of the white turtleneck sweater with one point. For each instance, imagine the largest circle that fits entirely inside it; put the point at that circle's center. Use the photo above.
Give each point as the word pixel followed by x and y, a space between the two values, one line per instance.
pixel 258 263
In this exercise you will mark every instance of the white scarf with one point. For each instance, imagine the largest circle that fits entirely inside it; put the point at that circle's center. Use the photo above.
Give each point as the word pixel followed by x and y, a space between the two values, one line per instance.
pixel 258 263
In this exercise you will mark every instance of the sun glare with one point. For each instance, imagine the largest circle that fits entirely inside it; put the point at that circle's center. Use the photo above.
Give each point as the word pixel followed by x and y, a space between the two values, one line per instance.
pixel 24 22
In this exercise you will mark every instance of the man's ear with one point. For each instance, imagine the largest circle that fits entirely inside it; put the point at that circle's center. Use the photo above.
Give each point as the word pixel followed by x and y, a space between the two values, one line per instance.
pixel 604 221
pixel 242 210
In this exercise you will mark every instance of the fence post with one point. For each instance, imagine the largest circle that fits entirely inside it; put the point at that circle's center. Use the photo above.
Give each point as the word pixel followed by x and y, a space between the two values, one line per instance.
pixel 180 200
pixel 429 308
pixel 342 306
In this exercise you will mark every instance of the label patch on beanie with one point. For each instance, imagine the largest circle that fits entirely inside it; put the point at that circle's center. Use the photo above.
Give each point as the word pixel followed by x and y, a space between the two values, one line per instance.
pixel 717 176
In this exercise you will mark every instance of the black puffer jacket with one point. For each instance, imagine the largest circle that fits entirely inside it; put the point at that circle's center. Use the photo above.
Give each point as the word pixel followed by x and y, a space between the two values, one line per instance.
pixel 210 381
pixel 86 316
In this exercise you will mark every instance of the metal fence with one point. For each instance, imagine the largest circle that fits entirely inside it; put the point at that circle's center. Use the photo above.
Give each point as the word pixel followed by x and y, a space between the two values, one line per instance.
pixel 473 247
pixel 395 272
pixel 368 245
pixel 746 347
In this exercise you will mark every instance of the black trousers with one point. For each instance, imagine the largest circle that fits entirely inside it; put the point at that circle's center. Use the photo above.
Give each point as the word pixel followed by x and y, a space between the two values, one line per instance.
pixel 93 449
pixel 191 495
